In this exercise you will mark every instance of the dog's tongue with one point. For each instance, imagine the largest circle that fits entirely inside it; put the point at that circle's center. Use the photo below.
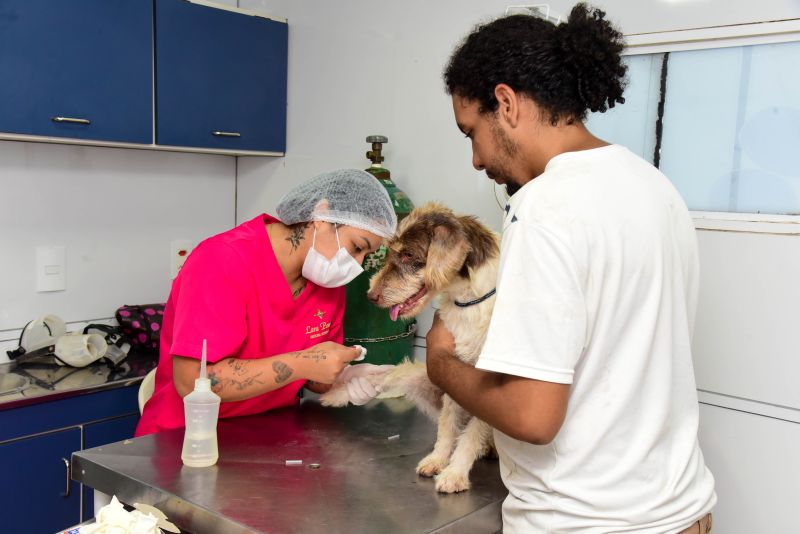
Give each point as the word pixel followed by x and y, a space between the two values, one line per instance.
pixel 394 311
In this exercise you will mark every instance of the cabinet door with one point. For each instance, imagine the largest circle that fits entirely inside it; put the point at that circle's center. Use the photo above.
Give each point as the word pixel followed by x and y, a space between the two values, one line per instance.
pixel 65 63
pixel 36 493
pixel 103 433
pixel 220 78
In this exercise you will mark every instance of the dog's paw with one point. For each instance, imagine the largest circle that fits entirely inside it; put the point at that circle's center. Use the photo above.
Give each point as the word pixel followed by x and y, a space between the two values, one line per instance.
pixel 335 397
pixel 431 465
pixel 452 481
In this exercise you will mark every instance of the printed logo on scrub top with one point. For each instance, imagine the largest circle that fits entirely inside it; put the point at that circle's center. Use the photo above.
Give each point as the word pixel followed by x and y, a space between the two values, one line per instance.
pixel 318 329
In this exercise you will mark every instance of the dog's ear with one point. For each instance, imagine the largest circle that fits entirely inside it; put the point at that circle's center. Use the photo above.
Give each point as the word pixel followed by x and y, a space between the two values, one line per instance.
pixel 483 244
pixel 446 254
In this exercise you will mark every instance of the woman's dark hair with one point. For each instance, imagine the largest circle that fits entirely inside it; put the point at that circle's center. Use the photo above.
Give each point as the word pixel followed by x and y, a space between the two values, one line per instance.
pixel 567 69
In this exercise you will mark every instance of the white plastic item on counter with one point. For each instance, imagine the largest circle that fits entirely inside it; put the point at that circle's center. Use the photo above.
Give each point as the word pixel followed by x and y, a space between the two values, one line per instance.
pixel 79 350
pixel 201 409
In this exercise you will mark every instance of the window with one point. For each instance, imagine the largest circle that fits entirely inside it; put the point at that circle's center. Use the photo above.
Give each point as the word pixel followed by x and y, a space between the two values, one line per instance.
pixel 728 133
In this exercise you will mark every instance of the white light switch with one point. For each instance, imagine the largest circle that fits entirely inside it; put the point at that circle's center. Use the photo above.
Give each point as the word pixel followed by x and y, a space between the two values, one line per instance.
pixel 51 269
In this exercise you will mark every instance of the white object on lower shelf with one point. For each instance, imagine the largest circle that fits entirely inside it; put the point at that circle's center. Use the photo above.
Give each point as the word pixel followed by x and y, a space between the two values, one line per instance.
pixel 115 518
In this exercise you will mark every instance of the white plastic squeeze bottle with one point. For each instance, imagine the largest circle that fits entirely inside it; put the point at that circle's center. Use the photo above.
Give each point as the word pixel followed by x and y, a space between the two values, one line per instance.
pixel 201 408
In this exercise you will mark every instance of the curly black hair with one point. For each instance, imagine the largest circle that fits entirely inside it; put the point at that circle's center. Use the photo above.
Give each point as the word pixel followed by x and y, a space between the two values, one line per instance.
pixel 567 69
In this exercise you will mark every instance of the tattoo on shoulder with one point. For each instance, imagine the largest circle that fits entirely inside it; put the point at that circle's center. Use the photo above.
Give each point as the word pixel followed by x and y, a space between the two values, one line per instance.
pixel 297 235
pixel 282 372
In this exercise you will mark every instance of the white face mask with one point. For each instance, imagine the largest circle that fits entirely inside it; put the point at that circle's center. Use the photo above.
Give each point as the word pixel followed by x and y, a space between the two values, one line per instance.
pixel 334 272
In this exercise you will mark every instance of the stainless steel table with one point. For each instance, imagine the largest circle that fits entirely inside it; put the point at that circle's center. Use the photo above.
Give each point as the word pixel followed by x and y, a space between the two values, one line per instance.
pixel 365 481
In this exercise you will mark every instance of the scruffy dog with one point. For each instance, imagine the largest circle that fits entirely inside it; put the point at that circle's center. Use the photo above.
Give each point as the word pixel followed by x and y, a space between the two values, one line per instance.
pixel 436 252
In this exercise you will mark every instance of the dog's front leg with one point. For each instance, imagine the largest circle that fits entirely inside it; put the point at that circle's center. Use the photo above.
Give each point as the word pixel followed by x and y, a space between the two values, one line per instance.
pixel 449 422
pixel 472 444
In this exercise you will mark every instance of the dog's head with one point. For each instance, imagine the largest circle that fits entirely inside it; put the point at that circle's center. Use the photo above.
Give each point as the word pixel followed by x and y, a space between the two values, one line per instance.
pixel 432 248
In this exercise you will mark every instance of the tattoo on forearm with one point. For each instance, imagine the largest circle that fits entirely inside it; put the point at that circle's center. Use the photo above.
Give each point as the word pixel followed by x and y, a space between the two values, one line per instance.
pixel 297 235
pixel 219 382
pixel 238 367
pixel 311 354
pixel 282 372
pixel 247 382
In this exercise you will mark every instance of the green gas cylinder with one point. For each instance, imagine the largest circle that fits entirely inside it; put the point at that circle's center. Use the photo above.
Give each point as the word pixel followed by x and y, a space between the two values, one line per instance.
pixel 366 324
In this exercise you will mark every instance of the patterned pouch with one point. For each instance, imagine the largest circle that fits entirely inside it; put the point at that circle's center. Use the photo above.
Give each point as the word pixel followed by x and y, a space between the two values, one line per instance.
pixel 141 323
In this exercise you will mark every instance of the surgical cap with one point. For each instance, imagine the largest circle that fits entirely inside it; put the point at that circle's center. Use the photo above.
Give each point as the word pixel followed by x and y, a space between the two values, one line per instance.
pixel 348 196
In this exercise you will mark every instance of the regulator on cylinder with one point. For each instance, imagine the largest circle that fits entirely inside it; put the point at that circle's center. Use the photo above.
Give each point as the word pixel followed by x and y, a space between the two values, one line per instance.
pixel 365 324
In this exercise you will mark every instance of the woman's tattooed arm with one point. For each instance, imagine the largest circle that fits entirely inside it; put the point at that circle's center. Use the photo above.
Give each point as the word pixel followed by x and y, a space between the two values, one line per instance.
pixel 235 379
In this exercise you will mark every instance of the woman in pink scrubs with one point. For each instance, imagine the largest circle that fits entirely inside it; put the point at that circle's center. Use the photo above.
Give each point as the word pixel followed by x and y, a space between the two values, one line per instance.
pixel 268 297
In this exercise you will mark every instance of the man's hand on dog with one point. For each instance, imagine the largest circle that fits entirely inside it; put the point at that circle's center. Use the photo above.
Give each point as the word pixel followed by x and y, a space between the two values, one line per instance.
pixel 441 348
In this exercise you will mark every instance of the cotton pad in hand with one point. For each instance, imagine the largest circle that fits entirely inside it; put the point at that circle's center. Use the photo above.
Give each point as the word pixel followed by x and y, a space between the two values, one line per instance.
pixel 363 353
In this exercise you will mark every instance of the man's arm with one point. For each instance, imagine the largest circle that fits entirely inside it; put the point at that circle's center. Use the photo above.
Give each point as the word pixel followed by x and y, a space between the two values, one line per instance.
pixel 525 409
pixel 235 379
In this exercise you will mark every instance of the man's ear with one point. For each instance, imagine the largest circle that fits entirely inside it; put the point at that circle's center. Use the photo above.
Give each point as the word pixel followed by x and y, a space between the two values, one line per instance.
pixel 446 254
pixel 508 104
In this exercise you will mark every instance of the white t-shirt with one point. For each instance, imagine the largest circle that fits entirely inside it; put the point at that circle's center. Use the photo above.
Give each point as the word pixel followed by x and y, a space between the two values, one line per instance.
pixel 598 288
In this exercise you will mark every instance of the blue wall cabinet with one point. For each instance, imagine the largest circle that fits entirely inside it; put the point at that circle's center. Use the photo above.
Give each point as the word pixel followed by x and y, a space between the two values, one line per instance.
pixel 220 78
pixel 79 69
pixel 36 491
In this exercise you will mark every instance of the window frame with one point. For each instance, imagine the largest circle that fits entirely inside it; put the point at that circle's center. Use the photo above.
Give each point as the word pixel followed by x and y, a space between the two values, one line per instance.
pixel 772 32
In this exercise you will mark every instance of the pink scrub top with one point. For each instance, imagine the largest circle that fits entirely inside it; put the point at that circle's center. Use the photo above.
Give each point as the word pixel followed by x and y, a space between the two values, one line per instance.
pixel 232 292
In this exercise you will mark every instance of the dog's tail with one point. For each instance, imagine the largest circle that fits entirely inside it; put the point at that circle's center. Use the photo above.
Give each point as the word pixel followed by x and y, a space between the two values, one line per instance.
pixel 410 379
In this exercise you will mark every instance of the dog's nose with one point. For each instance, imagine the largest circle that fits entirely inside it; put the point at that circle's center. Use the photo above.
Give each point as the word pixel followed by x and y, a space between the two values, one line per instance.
pixel 374 297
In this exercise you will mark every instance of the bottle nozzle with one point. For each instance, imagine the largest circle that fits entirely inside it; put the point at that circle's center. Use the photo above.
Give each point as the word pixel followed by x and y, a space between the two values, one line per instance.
pixel 203 361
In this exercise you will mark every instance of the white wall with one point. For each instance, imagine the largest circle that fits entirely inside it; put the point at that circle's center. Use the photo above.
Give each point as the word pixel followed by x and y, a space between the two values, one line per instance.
pixel 364 67
pixel 647 16
pixel 757 471
pixel 115 210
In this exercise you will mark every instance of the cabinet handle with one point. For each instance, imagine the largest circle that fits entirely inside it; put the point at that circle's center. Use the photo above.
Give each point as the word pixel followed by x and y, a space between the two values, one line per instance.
pixel 225 134
pixel 71 120
pixel 68 469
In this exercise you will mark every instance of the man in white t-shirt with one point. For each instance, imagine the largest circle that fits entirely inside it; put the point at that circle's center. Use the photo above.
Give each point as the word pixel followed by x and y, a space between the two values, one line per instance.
pixel 586 374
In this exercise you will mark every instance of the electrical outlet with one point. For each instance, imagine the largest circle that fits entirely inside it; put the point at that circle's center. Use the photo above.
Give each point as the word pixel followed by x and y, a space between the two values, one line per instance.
pixel 179 251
